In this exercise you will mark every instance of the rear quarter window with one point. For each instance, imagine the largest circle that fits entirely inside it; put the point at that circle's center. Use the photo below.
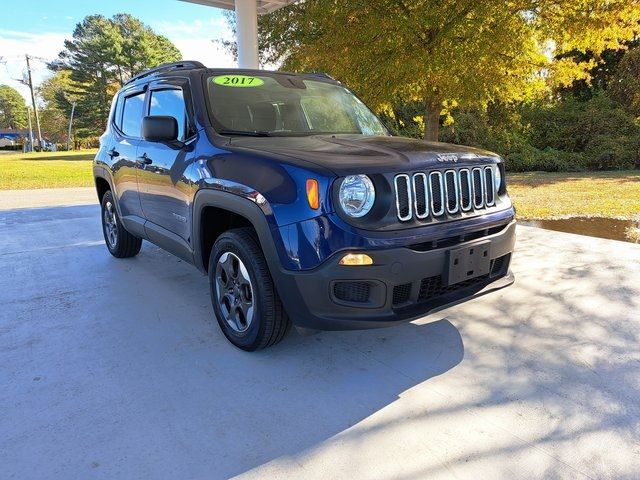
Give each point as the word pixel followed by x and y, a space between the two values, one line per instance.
pixel 132 115
pixel 117 112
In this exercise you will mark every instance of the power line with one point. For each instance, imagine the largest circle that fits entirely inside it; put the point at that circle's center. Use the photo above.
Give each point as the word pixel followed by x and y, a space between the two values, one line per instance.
pixel 19 56
pixel 40 59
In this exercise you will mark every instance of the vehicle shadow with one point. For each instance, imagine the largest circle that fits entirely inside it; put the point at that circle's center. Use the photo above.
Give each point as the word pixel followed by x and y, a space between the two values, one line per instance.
pixel 245 409
pixel 308 389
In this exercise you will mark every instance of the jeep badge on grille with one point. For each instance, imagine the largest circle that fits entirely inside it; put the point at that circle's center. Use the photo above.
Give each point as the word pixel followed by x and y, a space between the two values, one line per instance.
pixel 447 157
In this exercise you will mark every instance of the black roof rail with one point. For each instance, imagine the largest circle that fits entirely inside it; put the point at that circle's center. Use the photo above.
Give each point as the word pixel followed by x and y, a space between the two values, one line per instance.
pixel 166 67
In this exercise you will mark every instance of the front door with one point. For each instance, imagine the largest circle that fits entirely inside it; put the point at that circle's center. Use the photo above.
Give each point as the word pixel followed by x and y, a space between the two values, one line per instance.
pixel 163 186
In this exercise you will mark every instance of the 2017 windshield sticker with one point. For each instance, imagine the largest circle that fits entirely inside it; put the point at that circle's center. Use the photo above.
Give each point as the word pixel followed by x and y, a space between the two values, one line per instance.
pixel 238 81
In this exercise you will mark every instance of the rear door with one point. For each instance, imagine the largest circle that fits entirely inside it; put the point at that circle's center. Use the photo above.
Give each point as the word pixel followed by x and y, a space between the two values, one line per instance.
pixel 127 125
pixel 164 188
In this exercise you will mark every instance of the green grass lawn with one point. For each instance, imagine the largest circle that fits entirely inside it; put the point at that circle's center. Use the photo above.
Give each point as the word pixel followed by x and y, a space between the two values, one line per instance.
pixel 542 195
pixel 46 170
pixel 537 195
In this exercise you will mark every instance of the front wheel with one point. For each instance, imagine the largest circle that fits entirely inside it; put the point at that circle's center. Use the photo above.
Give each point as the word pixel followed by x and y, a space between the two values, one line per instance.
pixel 120 242
pixel 245 301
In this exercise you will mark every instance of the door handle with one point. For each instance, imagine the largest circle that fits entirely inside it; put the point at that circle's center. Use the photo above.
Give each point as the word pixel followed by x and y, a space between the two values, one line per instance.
pixel 113 153
pixel 144 159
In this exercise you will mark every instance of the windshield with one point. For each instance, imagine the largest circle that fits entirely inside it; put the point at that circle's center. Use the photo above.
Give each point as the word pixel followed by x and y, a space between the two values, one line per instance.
pixel 286 105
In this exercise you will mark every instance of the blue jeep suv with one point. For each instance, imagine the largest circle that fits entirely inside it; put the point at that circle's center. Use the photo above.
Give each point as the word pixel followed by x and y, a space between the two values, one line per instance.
pixel 297 202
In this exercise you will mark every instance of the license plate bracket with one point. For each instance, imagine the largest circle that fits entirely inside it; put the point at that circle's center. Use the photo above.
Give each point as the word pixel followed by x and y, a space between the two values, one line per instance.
pixel 467 262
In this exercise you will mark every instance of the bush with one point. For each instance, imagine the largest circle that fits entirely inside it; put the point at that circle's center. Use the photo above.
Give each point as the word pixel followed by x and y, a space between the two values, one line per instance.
pixel 597 134
pixel 504 135
pixel 604 152
pixel 569 134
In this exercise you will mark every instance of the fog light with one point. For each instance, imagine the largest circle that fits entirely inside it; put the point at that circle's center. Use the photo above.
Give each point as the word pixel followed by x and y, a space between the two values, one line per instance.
pixel 356 259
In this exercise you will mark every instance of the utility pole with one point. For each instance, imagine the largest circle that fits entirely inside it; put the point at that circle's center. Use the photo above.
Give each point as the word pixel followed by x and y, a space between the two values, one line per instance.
pixel 33 101
pixel 73 109
pixel 30 129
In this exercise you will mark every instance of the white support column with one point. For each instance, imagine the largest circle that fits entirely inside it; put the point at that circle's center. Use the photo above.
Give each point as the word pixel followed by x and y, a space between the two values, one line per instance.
pixel 247 32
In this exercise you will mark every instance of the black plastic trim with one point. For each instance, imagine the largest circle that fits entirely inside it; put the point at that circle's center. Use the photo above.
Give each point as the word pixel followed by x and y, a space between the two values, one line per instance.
pixel 393 266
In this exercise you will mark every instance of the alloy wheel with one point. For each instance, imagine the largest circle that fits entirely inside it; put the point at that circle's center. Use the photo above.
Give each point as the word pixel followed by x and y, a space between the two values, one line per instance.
pixel 234 292
pixel 110 224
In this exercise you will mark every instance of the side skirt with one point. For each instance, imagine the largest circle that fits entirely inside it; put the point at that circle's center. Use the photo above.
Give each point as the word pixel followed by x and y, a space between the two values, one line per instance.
pixel 159 236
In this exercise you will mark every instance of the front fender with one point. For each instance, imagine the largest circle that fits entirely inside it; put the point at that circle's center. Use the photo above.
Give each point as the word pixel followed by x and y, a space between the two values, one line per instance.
pixel 248 203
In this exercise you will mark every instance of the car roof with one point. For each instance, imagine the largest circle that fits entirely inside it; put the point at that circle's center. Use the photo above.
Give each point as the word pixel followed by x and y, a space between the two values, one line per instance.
pixel 191 66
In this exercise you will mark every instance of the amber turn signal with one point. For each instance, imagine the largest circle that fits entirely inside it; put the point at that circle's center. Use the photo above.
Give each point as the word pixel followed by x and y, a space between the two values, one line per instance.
pixel 313 195
pixel 356 259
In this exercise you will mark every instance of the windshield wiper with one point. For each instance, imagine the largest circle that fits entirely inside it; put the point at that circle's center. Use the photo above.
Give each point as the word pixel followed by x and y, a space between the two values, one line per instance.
pixel 248 133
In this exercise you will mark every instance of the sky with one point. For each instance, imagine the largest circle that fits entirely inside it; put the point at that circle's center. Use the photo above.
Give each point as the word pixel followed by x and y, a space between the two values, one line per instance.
pixel 39 28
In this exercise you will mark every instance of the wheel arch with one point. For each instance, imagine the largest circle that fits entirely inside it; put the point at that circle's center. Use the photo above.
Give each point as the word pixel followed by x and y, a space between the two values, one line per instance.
pixel 103 182
pixel 102 187
pixel 245 212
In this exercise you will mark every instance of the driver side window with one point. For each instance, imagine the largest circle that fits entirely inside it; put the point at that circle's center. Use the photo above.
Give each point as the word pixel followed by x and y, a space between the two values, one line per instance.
pixel 170 103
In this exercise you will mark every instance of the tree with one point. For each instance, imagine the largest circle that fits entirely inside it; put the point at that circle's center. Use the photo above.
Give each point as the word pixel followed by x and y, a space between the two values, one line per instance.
pixel 102 55
pixel 466 52
pixel 602 74
pixel 625 86
pixel 13 110
pixel 141 47
pixel 57 101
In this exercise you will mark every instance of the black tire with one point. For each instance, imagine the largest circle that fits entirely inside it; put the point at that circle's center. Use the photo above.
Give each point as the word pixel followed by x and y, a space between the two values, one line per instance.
pixel 119 241
pixel 269 322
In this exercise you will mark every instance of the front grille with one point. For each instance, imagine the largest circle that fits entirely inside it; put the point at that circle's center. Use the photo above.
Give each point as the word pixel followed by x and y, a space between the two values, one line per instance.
pixel 421 195
pixel 436 189
pixel 433 287
pixel 465 189
pixel 357 292
pixel 488 191
pixel 498 264
pixel 403 197
pixel 436 194
pixel 478 187
pixel 401 293
pixel 451 190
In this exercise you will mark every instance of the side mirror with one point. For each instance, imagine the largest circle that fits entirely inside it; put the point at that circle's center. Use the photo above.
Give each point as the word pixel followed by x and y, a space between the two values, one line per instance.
pixel 160 129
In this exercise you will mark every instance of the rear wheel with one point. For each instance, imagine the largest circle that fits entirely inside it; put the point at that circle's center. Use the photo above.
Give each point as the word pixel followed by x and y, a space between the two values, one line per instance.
pixel 245 301
pixel 120 242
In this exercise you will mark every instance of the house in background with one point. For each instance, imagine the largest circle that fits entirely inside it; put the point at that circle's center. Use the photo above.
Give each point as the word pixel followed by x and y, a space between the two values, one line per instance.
pixel 13 139
pixel 17 139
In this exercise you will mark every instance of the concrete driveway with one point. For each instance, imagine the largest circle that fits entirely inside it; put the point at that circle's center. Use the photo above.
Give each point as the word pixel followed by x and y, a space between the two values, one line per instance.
pixel 116 369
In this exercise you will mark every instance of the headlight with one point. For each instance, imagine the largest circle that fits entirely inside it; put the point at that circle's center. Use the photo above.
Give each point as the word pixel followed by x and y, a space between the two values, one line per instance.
pixel 497 179
pixel 357 195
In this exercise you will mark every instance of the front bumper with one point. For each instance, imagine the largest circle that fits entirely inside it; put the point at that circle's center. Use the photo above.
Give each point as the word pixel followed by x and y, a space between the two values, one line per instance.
pixel 403 284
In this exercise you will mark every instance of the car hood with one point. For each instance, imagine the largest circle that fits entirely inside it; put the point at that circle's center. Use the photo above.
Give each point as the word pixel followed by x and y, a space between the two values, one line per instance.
pixel 349 154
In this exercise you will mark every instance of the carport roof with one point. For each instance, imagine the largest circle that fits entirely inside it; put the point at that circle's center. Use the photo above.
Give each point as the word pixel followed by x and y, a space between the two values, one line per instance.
pixel 263 6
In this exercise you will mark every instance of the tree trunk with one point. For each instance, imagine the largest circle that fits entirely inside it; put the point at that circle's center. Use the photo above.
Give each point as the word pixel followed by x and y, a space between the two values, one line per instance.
pixel 432 109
